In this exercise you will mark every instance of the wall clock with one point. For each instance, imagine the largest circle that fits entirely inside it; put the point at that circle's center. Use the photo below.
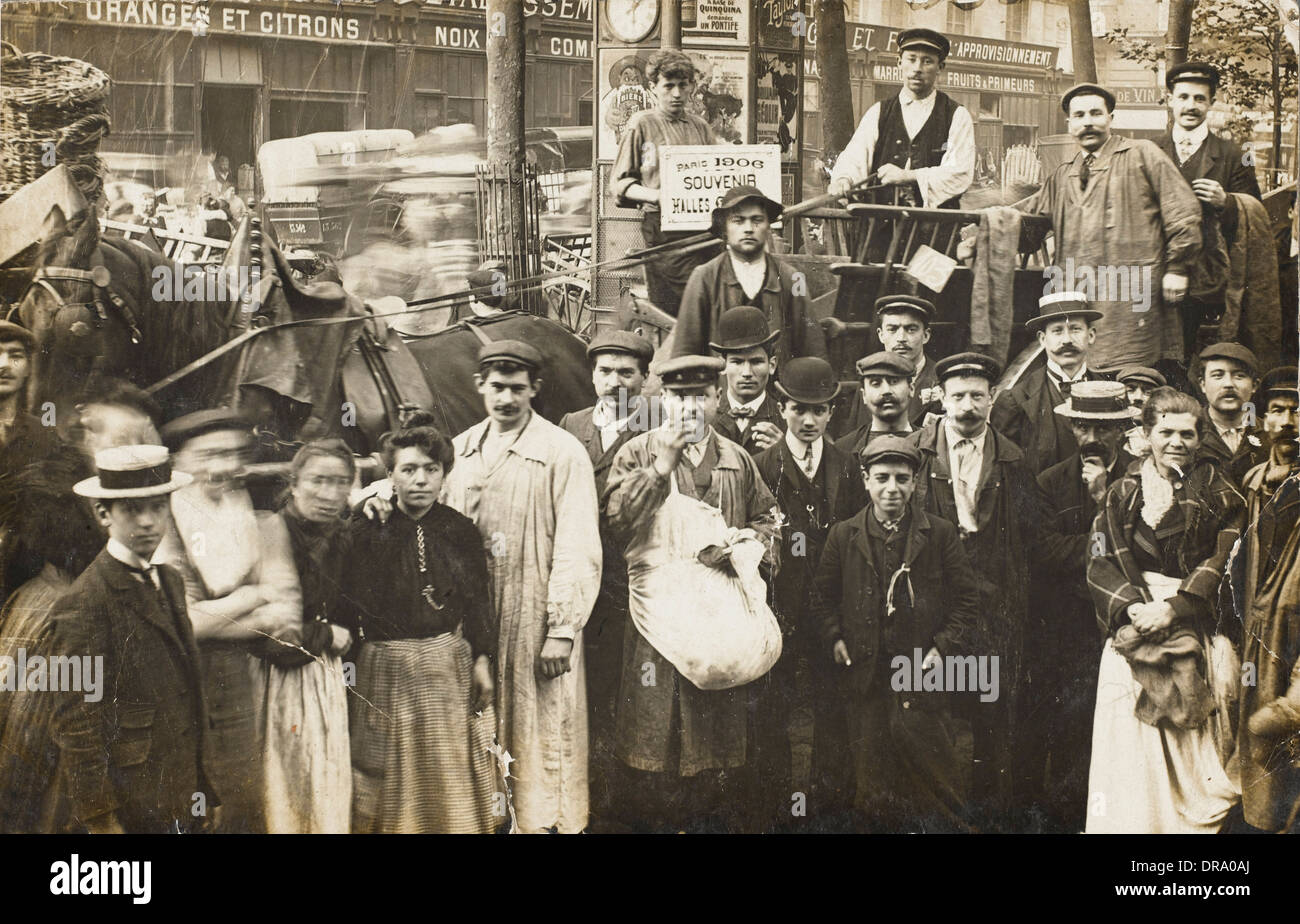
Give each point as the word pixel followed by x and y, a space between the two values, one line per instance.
pixel 631 21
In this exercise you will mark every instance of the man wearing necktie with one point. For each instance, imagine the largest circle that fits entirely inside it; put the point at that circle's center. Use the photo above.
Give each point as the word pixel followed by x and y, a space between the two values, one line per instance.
pixel 816 483
pixel 920 144
pixel 748 415
pixel 133 756
pixel 976 478
pixel 1215 168
pixel 1025 412
pixel 1127 230
pixel 1233 439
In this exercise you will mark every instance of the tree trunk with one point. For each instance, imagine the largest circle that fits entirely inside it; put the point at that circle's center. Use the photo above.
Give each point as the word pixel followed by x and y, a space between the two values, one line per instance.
pixel 670 28
pixel 1275 49
pixel 507 235
pixel 833 65
pixel 1085 59
pixel 1179 32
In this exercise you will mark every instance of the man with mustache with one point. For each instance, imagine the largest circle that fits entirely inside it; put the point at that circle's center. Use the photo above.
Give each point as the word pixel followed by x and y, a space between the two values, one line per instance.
pixel 816 483
pixel 886 392
pixel 1234 439
pixel 976 478
pixel 1264 577
pixel 748 415
pixel 1215 168
pixel 620 362
pixel 1025 412
pixel 1124 218
pixel 919 144
pixel 677 740
pixel 747 274
pixel 1066 649
pixel 903 327
pixel 241 586
pixel 1140 382
pixel 530 489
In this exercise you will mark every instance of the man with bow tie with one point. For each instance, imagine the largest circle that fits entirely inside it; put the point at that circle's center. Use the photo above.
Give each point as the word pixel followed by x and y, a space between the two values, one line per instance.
pixel 748 415
pixel 920 144
pixel 1025 412
pixel 1215 168
pixel 1233 439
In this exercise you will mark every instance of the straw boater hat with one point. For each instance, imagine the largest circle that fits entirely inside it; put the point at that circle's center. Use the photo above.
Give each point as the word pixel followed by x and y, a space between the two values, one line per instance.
pixel 132 471
pixel 1098 400
pixel 1061 305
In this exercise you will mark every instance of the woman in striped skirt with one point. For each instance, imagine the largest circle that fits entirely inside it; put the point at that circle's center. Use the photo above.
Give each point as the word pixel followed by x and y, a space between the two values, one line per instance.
pixel 421 715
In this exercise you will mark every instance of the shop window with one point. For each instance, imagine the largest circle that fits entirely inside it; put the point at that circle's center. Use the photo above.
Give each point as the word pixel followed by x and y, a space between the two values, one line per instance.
pixel 958 20
pixel 1017 20
pixel 990 106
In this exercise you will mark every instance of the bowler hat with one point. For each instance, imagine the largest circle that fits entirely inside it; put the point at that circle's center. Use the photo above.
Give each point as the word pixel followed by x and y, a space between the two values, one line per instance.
pixel 885 362
pixel 688 371
pixel 1280 381
pixel 512 351
pixel 1097 400
pixel 742 328
pixel 734 197
pixel 924 40
pixel 920 307
pixel 890 447
pixel 132 471
pixel 807 380
pixel 1193 70
pixel 1141 374
pixel 175 433
pixel 10 331
pixel 968 364
pixel 621 341
pixel 1234 351
pixel 1061 305
pixel 1090 89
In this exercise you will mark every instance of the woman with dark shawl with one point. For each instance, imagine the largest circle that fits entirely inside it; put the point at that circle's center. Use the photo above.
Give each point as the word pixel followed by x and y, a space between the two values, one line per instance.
pixel 1161 731
pixel 418 596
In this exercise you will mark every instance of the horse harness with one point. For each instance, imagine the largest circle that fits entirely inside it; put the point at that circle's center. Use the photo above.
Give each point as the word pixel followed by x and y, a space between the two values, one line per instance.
pixel 100 279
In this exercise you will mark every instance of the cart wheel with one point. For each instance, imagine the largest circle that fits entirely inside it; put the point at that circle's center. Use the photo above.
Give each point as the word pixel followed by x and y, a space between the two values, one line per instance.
pixel 380 221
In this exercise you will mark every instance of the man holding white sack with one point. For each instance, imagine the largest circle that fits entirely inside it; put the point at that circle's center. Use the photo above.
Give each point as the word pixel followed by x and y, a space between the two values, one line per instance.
pixel 690 506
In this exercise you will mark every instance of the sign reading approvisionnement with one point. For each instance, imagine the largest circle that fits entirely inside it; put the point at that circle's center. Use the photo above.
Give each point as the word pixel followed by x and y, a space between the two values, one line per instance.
pixel 694 177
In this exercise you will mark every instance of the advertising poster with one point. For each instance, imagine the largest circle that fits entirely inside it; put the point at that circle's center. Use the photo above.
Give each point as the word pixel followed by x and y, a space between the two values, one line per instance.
pixel 716 21
pixel 722 92
pixel 624 91
pixel 776 102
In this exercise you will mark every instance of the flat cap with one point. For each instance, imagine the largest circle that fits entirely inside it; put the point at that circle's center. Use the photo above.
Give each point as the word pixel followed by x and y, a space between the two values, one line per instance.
pixel 689 371
pixel 511 351
pixel 1280 381
pixel 1143 374
pixel 923 40
pixel 9 331
pixel 893 448
pixel 968 364
pixel 1193 70
pixel 1061 305
pixel 1231 351
pixel 918 306
pixel 885 362
pixel 1090 89
pixel 621 341
pixel 175 433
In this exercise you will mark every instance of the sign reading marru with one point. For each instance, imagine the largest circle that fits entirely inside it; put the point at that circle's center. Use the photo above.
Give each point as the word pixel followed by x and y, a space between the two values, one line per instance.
pixel 694 177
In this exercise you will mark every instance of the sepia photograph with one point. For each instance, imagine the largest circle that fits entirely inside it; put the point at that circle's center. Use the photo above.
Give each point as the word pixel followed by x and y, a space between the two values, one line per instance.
pixel 624 417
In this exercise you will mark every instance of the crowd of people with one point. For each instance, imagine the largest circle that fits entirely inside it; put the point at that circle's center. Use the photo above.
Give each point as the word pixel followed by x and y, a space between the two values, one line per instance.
pixel 743 600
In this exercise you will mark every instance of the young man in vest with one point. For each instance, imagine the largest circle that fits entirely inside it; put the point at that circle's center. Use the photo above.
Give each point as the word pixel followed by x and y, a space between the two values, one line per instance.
pixel 747 274
pixel 1214 167
pixel 919 144
pixel 816 484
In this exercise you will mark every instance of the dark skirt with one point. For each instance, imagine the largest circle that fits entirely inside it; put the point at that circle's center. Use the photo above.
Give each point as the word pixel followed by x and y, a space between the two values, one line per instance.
pixel 234 685
pixel 421 757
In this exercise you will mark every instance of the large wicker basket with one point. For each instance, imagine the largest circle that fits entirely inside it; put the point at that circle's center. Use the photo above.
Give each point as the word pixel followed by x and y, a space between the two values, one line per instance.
pixel 55 105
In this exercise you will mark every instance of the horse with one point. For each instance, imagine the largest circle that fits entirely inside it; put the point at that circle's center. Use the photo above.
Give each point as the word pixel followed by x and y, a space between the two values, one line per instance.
pixel 293 382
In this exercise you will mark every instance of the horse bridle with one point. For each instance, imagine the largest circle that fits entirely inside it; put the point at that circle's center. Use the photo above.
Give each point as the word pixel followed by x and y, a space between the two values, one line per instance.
pixel 99 278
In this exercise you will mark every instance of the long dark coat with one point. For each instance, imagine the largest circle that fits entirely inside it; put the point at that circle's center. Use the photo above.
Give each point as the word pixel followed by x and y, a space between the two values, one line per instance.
pixel 1025 413
pixel 725 423
pixel 1234 465
pixel 139 751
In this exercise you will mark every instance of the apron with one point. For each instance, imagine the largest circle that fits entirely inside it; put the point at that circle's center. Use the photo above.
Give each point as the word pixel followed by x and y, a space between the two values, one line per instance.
pixel 715 629
pixel 1145 779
